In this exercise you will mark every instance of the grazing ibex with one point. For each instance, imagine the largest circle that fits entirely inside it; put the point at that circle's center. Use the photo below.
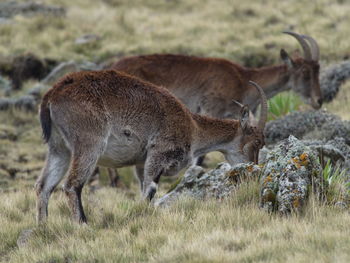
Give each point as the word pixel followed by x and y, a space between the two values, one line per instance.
pixel 209 85
pixel 114 120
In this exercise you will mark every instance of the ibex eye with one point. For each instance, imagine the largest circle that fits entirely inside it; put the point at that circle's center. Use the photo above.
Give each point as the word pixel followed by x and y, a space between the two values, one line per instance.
pixel 127 133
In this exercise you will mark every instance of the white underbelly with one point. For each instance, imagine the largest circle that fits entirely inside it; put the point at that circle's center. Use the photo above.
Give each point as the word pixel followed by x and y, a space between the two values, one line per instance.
pixel 123 151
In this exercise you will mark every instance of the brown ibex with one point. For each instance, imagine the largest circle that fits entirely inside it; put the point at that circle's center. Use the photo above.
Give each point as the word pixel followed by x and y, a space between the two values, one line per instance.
pixel 209 85
pixel 112 119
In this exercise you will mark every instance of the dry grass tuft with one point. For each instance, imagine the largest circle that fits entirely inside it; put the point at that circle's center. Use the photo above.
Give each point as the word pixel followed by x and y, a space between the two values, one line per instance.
pixel 124 230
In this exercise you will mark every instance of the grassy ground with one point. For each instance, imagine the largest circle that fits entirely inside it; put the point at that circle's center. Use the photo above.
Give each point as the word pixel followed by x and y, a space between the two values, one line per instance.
pixel 249 32
pixel 121 229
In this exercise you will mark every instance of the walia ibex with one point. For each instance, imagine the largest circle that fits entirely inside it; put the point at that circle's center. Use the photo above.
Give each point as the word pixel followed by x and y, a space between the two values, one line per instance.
pixel 209 85
pixel 114 120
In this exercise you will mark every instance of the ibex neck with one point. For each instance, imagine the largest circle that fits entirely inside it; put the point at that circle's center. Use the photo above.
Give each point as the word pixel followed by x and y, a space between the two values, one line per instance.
pixel 272 79
pixel 212 134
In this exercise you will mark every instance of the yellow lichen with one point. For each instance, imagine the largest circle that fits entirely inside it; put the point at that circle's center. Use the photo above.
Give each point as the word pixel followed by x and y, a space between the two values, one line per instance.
pixel 296 162
pixel 232 174
pixel 303 156
pixel 268 179
pixel 296 203
pixel 304 159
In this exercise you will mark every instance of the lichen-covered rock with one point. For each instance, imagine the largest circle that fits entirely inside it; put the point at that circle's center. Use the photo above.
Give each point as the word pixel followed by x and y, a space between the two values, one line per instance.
pixel 336 150
pixel 24 237
pixel 315 125
pixel 26 103
pixel 11 8
pixel 4 84
pixel 68 67
pixel 38 90
pixel 218 183
pixel 6 103
pixel 59 71
pixel 332 78
pixel 291 169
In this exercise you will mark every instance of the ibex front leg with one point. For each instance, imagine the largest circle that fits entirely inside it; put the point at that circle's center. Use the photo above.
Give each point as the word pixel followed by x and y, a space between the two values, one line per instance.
pixel 165 162
pixel 150 183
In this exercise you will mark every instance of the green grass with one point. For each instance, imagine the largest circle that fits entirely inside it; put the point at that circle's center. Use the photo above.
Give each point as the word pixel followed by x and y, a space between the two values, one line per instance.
pixel 338 187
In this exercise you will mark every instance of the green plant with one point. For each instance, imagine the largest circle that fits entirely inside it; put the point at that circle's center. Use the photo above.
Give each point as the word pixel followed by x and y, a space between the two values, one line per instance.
pixel 282 104
pixel 337 187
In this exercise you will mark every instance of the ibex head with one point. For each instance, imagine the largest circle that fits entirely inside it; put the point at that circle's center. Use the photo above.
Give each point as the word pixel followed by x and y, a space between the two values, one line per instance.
pixel 304 77
pixel 252 138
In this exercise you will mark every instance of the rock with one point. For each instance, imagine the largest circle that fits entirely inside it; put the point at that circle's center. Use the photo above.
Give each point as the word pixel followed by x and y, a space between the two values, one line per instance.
pixel 4 84
pixel 24 237
pixel 315 125
pixel 341 205
pixel 336 150
pixel 332 78
pixel 38 90
pixel 26 103
pixel 24 67
pixel 88 38
pixel 67 67
pixel 59 71
pixel 6 103
pixel 87 65
pixel 291 169
pixel 5 21
pixel 218 183
pixel 12 8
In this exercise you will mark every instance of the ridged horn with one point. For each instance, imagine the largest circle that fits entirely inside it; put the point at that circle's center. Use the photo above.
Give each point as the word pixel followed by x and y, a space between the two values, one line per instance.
pixel 315 49
pixel 238 103
pixel 303 43
pixel 263 113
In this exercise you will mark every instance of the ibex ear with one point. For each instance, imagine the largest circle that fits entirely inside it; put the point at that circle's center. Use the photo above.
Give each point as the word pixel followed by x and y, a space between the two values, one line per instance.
pixel 286 59
pixel 244 119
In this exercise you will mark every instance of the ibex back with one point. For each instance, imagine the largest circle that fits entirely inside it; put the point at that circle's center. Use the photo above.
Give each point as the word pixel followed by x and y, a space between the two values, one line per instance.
pixel 208 85
pixel 112 119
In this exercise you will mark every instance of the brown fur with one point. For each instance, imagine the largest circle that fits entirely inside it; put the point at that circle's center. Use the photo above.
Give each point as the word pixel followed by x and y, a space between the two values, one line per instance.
pixel 112 119
pixel 208 85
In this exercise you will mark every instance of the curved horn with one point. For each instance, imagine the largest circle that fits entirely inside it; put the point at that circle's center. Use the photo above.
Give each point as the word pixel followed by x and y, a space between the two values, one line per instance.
pixel 315 49
pixel 238 103
pixel 303 43
pixel 263 113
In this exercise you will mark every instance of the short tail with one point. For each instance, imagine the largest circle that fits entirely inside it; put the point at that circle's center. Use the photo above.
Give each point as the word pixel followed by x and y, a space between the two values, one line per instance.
pixel 45 118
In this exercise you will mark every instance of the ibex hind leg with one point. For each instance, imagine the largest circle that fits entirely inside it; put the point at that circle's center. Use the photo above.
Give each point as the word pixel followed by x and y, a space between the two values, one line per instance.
pixel 83 164
pixel 114 177
pixel 138 172
pixel 56 166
